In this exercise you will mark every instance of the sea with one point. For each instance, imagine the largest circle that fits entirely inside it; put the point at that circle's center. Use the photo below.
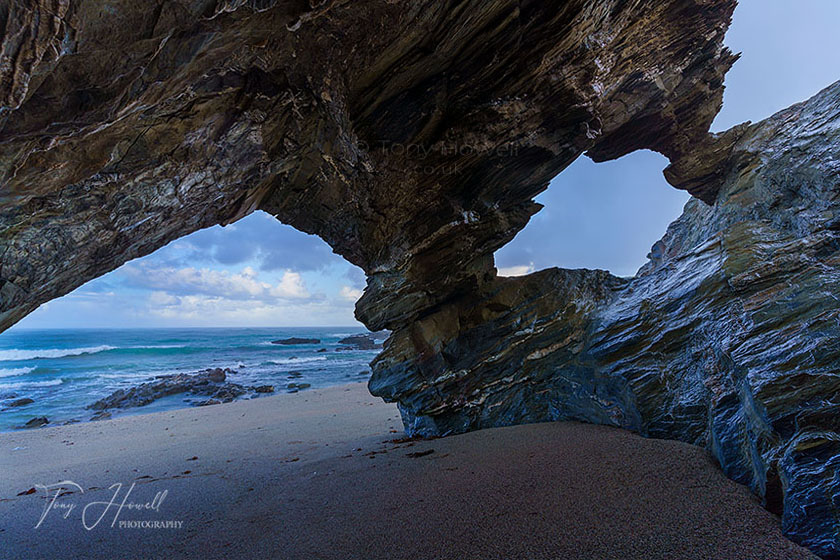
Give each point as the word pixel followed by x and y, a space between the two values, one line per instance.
pixel 63 371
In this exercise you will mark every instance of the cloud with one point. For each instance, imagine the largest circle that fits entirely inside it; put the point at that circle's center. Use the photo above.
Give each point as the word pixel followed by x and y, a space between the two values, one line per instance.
pixel 520 270
pixel 259 239
pixel 356 276
pixel 205 310
pixel 350 294
pixel 245 285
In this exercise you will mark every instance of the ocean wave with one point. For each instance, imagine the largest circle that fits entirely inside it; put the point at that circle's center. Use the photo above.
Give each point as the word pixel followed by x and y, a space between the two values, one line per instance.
pixel 17 355
pixel 28 384
pixel 14 372
pixel 288 361
pixel 156 347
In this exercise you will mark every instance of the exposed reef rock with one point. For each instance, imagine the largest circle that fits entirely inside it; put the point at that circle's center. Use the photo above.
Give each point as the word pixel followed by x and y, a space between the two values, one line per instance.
pixel 728 338
pixel 293 341
pixel 209 383
pixel 361 341
pixel 412 136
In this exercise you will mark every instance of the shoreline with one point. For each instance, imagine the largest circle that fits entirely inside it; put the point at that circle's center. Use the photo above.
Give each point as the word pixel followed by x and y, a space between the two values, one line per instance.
pixel 327 473
pixel 61 374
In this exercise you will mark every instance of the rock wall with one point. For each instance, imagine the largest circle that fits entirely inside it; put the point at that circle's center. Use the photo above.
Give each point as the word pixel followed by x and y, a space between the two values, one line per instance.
pixel 728 338
pixel 412 135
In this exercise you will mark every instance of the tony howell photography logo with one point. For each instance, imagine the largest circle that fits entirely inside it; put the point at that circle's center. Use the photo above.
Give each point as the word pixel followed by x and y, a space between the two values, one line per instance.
pixel 443 157
pixel 123 508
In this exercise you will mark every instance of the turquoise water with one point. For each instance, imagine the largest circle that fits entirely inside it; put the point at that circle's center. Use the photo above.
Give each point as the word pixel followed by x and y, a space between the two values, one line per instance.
pixel 65 370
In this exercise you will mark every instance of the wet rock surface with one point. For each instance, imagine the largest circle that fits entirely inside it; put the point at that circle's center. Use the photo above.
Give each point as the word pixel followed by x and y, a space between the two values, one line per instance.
pixel 35 423
pixel 293 341
pixel 727 338
pixel 20 402
pixel 361 342
pixel 209 383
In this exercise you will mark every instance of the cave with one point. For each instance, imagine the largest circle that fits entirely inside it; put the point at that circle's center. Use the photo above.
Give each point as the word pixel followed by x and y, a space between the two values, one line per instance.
pixel 416 152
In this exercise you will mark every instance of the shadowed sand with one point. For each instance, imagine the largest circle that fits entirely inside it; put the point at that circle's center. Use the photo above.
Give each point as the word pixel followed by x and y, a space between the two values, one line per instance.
pixel 317 475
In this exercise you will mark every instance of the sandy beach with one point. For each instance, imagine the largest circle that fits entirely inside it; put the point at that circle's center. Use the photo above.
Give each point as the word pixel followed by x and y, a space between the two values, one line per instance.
pixel 324 474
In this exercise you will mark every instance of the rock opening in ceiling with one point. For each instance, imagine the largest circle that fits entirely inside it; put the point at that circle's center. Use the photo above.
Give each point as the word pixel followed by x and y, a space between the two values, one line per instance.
pixel 597 216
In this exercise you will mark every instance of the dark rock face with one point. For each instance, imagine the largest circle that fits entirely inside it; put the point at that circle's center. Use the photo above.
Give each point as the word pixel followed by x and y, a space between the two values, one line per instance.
pixel 35 423
pixel 728 338
pixel 210 383
pixel 360 341
pixel 293 341
pixel 412 137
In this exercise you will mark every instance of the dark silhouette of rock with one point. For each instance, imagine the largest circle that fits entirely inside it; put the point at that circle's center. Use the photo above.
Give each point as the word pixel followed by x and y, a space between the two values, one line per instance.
pixel 20 402
pixel 360 341
pixel 36 422
pixel 264 389
pixel 294 341
pixel 209 383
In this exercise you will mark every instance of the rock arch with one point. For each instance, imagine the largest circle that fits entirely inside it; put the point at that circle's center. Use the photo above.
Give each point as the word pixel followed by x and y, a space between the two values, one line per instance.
pixel 412 137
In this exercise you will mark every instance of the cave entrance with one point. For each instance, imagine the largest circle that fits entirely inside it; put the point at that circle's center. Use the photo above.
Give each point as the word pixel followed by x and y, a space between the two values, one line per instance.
pixel 256 272
pixel 597 216
pixel 233 312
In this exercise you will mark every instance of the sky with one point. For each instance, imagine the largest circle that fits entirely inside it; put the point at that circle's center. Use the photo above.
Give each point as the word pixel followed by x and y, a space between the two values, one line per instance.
pixel 259 272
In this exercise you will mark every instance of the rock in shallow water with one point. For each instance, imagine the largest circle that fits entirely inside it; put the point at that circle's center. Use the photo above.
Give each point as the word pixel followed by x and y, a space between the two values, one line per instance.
pixel 294 341
pixel 210 382
pixel 360 341
pixel 36 422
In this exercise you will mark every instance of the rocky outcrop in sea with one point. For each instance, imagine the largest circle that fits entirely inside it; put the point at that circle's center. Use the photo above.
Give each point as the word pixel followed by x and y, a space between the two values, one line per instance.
pixel 210 383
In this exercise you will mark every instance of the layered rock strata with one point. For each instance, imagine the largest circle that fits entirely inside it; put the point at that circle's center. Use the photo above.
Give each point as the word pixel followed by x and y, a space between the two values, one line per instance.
pixel 728 338
pixel 410 135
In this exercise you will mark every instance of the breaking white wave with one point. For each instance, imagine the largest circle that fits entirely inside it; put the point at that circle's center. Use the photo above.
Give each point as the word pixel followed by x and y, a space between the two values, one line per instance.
pixel 31 384
pixel 157 346
pixel 17 355
pixel 288 361
pixel 13 372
